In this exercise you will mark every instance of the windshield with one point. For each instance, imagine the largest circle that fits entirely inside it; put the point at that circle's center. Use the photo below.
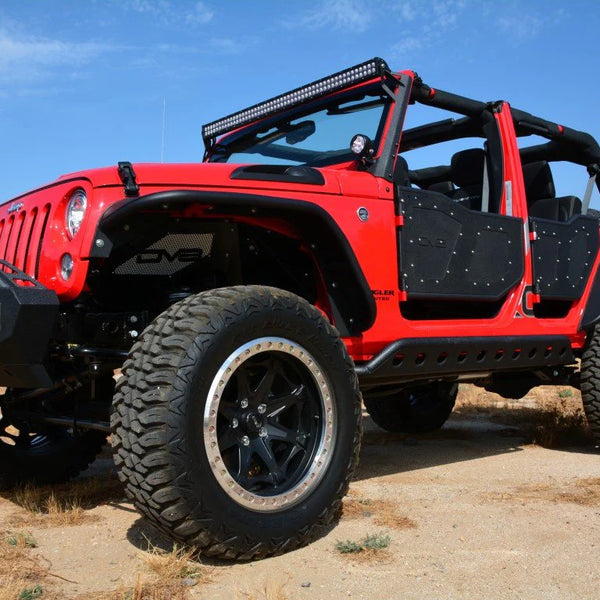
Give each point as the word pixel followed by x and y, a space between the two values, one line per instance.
pixel 315 137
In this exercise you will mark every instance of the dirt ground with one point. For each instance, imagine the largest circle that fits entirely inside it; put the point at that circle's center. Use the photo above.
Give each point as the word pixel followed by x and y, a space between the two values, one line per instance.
pixel 476 510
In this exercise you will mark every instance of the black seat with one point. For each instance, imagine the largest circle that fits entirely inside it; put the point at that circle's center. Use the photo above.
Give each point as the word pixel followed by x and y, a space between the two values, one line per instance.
pixel 401 177
pixel 540 193
pixel 442 187
pixel 539 183
pixel 467 175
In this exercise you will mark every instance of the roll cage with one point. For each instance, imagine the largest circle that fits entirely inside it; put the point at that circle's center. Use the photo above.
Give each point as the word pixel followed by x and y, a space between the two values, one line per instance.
pixel 564 143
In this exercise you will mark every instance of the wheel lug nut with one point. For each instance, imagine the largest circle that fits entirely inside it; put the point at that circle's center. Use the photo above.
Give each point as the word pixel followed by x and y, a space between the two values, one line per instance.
pixel 262 409
pixel 262 432
pixel 234 423
pixel 244 403
pixel 245 440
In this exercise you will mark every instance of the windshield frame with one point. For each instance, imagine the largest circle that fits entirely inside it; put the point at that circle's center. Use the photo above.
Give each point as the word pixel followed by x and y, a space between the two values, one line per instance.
pixel 224 146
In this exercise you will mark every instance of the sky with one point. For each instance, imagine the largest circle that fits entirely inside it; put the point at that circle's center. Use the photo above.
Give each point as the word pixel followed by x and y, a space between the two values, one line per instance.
pixel 83 83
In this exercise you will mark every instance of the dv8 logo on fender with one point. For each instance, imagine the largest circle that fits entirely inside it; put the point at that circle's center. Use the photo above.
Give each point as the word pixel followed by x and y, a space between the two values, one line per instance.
pixel 168 255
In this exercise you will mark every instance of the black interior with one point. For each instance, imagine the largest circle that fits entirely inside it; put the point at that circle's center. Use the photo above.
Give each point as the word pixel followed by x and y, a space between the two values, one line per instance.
pixel 541 194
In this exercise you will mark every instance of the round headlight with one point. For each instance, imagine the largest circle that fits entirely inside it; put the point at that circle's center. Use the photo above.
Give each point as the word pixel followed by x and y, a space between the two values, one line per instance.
pixel 66 266
pixel 75 212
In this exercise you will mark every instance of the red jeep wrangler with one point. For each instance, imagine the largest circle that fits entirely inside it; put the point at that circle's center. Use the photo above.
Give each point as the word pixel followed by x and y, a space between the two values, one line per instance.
pixel 323 253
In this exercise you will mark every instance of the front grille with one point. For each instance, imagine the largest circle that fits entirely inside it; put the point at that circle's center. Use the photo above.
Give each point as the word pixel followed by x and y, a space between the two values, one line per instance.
pixel 21 237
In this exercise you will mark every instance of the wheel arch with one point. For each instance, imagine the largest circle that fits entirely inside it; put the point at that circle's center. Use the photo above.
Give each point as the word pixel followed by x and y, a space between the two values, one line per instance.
pixel 351 303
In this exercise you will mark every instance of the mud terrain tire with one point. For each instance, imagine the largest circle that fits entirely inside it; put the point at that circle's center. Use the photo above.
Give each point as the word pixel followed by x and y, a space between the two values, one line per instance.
pixel 417 409
pixel 236 424
pixel 51 454
pixel 590 383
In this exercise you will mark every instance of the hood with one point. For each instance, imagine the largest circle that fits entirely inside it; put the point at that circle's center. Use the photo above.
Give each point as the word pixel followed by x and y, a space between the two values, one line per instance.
pixel 153 177
pixel 215 175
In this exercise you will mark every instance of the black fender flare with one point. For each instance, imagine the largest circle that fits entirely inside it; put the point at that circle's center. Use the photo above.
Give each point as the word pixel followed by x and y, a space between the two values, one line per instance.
pixel 351 300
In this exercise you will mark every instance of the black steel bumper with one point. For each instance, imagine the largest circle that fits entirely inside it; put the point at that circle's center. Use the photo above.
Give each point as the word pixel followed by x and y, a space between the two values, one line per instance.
pixel 27 316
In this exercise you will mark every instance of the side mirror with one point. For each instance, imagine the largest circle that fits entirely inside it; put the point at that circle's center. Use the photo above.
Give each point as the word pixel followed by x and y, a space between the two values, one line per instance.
pixel 362 146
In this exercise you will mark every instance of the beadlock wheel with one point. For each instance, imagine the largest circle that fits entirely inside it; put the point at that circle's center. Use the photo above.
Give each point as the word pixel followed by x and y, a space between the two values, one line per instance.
pixel 269 447
pixel 236 424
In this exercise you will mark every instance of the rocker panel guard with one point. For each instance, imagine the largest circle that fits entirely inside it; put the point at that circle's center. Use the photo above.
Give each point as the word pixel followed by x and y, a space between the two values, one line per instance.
pixel 417 358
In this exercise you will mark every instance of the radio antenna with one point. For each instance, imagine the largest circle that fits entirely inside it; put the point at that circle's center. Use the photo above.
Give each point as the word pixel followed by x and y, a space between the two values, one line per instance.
pixel 164 130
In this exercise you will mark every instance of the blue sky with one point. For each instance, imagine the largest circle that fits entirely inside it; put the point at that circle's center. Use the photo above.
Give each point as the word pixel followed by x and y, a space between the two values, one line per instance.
pixel 82 82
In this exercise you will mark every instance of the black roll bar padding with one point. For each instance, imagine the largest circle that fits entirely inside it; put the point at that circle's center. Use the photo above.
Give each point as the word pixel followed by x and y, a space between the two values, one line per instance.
pixel 465 106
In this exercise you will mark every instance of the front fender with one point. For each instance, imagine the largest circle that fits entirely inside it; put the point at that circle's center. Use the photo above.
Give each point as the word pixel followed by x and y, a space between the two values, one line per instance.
pixel 352 304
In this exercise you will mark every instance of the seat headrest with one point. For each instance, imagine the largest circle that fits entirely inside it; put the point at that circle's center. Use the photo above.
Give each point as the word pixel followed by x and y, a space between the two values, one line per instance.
pixel 401 172
pixel 467 167
pixel 539 183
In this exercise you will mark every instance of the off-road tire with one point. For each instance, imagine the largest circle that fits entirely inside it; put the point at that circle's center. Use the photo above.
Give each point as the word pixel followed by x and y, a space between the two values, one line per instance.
pixel 161 447
pixel 590 383
pixel 53 454
pixel 56 455
pixel 420 409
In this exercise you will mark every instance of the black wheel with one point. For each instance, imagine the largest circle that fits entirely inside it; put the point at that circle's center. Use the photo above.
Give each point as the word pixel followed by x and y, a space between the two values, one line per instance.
pixel 590 383
pixel 417 409
pixel 43 454
pixel 46 454
pixel 236 425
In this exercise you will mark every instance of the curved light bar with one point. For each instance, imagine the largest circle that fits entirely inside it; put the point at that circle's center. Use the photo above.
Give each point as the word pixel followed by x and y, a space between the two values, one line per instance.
pixel 338 81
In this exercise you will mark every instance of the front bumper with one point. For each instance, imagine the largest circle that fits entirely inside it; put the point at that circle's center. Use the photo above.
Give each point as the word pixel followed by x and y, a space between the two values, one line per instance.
pixel 28 314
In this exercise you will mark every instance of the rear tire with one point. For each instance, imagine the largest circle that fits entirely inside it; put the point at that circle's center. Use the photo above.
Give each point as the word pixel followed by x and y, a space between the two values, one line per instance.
pixel 236 424
pixel 417 409
pixel 590 383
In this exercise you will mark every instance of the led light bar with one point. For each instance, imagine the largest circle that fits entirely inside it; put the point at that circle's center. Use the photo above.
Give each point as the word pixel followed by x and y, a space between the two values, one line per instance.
pixel 332 83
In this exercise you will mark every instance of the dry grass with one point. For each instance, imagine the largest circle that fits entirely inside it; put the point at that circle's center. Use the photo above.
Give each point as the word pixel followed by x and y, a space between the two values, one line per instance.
pixel 64 504
pixel 21 572
pixel 550 416
pixel 584 492
pixel 269 590
pixel 175 565
pixel 383 512
pixel 171 574
pixel 142 590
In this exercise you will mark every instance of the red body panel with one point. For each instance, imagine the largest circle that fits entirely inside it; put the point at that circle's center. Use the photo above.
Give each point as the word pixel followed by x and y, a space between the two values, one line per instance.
pixel 345 190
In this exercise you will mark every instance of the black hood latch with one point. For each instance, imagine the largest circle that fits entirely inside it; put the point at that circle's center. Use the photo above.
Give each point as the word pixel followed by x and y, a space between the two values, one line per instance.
pixel 127 175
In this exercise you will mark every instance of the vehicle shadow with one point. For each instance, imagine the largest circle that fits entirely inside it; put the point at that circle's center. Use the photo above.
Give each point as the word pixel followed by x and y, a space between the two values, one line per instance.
pixel 463 438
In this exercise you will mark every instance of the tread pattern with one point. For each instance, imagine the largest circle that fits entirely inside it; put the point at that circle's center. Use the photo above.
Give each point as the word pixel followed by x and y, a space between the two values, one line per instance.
pixel 63 455
pixel 391 413
pixel 65 458
pixel 590 383
pixel 149 405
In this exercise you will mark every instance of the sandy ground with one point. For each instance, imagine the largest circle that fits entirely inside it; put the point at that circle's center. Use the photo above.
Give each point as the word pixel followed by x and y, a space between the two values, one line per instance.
pixel 473 511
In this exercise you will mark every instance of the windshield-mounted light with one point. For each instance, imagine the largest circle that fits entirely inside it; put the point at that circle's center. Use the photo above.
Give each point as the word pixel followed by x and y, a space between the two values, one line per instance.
pixel 333 83
pixel 75 212
pixel 362 146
